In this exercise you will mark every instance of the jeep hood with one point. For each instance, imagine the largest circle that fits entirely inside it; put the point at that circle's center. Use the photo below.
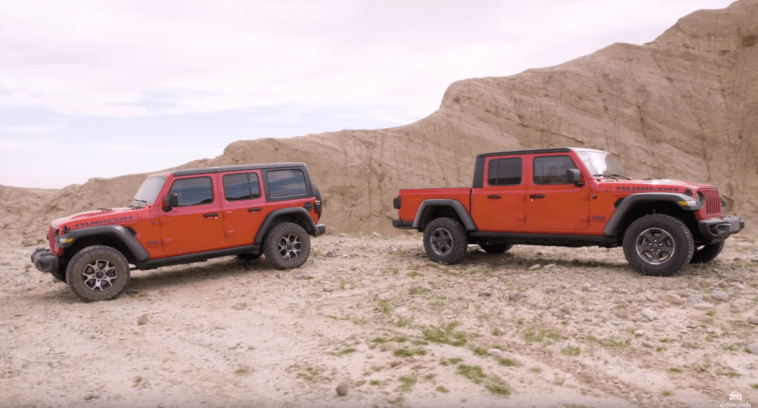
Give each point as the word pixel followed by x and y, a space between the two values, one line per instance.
pixel 658 183
pixel 99 217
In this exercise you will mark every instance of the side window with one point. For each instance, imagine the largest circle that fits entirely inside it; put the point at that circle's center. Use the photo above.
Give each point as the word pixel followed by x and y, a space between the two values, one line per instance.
pixel 284 183
pixel 552 169
pixel 193 191
pixel 505 172
pixel 241 187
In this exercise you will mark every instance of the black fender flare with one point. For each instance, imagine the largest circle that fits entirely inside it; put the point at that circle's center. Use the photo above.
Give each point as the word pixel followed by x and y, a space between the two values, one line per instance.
pixel 685 202
pixel 116 232
pixel 298 212
pixel 456 205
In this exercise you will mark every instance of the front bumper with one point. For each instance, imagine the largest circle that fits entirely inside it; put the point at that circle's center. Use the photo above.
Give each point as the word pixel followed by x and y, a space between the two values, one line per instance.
pixel 719 229
pixel 45 261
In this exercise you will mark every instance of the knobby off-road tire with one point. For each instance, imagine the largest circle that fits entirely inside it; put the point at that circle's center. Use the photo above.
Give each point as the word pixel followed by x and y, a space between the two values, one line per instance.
pixel 287 246
pixel 658 245
pixel 97 273
pixel 495 248
pixel 707 253
pixel 445 240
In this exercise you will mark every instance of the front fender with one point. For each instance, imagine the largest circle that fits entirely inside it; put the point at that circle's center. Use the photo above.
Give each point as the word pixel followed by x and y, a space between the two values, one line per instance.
pixel 116 232
pixel 628 203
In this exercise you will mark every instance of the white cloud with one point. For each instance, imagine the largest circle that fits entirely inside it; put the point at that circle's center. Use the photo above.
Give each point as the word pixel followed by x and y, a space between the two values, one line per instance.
pixel 29 129
pixel 8 145
pixel 110 58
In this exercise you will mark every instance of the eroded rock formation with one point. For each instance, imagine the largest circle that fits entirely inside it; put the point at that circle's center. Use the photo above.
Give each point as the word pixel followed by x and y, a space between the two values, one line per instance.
pixel 683 106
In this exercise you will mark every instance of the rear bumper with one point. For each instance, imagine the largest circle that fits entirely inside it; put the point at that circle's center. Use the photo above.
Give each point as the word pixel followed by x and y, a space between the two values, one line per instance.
pixel 398 223
pixel 319 230
pixel 44 260
pixel 719 229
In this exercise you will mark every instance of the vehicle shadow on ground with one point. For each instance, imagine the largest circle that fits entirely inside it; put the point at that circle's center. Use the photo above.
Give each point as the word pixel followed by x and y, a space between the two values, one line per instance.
pixel 190 274
pixel 478 258
pixel 57 294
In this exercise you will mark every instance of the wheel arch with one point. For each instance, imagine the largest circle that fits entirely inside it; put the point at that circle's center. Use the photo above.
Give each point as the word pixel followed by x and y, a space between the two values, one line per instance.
pixel 295 215
pixel 437 208
pixel 115 236
pixel 635 206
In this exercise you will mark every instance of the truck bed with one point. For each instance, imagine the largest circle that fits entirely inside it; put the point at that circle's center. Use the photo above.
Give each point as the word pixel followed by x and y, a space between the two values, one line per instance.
pixel 412 199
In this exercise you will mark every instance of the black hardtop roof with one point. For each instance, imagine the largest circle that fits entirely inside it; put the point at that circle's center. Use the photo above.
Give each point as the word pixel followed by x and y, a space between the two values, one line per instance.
pixel 530 151
pixel 239 167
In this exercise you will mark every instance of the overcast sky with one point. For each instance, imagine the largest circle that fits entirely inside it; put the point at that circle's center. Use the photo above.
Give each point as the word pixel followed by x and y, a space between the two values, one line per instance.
pixel 106 88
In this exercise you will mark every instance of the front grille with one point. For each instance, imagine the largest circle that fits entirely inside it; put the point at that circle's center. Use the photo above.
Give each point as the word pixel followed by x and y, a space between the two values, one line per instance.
pixel 712 202
pixel 53 237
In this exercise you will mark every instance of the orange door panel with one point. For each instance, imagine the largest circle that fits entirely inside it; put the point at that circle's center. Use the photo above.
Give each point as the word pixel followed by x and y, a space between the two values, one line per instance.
pixel 243 205
pixel 499 205
pixel 553 204
pixel 196 224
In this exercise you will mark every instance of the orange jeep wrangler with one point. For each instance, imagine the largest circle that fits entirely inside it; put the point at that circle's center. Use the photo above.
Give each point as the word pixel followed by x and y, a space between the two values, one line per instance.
pixel 570 197
pixel 187 216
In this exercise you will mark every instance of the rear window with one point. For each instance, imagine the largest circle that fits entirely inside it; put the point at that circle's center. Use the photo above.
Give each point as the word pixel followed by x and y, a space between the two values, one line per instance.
pixel 286 183
pixel 238 187
pixel 193 191
pixel 504 172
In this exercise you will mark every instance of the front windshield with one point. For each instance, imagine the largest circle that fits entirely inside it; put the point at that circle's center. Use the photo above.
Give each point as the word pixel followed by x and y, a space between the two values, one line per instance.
pixel 602 163
pixel 149 191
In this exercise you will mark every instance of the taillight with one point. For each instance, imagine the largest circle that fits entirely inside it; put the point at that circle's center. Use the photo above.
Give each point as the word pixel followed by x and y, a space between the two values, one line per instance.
pixel 317 207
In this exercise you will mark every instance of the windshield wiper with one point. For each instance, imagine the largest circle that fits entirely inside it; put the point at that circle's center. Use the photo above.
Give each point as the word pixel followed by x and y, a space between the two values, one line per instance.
pixel 614 176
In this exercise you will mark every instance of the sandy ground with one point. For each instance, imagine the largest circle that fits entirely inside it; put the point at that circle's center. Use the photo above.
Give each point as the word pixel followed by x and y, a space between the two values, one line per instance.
pixel 533 327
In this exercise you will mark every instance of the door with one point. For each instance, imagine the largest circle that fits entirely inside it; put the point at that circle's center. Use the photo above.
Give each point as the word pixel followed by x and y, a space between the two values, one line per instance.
pixel 500 205
pixel 195 225
pixel 553 204
pixel 243 206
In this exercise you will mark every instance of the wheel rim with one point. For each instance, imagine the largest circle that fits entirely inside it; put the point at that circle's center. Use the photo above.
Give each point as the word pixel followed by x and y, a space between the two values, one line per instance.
pixel 99 275
pixel 290 247
pixel 441 241
pixel 655 246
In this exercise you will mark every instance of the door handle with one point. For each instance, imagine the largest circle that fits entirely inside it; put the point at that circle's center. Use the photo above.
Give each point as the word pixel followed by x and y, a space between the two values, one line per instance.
pixel 209 215
pixel 533 196
pixel 253 209
pixel 495 196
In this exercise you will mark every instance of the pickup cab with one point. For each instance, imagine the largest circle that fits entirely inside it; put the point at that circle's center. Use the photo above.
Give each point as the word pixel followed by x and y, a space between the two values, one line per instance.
pixel 569 197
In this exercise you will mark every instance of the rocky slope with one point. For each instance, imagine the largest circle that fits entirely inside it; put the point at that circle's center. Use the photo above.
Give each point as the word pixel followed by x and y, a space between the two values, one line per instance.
pixel 682 106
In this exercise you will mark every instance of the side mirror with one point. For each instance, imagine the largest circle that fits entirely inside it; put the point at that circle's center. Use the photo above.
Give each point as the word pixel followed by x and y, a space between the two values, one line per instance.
pixel 170 201
pixel 574 176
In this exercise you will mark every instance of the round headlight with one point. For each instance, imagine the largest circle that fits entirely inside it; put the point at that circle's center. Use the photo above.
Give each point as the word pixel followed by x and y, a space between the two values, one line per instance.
pixel 700 198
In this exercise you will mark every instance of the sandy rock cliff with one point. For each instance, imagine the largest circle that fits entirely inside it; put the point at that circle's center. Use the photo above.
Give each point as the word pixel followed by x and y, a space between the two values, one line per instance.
pixel 683 106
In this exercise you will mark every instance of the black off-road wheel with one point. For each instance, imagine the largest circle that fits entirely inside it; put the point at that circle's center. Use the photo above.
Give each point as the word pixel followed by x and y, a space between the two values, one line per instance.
pixel 707 253
pixel 445 240
pixel 287 246
pixel 658 245
pixel 97 273
pixel 495 248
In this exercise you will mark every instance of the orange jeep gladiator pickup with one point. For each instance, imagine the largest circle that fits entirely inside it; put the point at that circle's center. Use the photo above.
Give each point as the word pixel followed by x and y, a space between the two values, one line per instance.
pixel 570 197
